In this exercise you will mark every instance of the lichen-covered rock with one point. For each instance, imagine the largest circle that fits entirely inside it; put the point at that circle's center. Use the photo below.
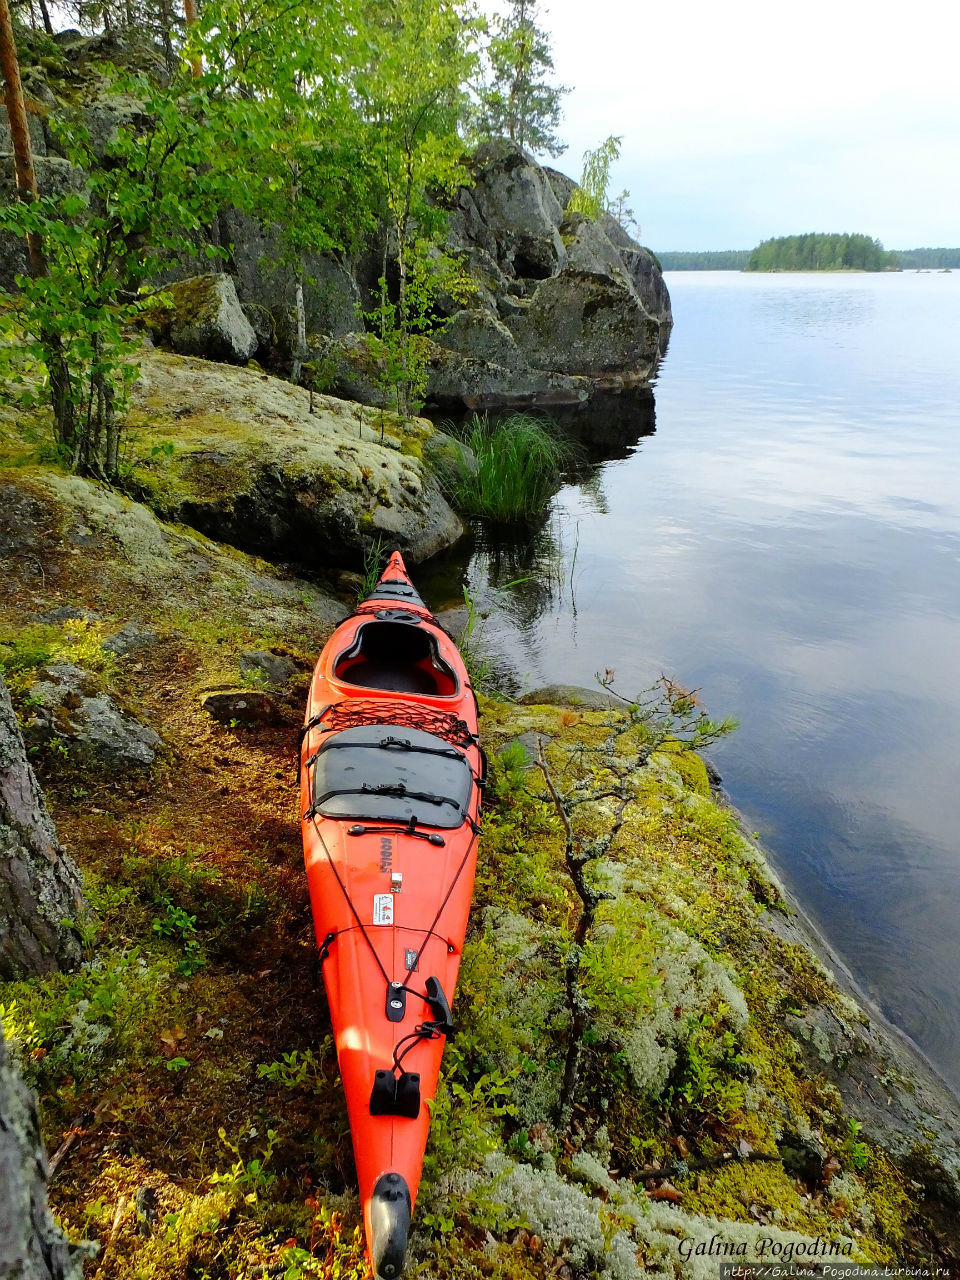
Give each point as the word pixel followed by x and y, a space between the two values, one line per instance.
pixel 588 246
pixel 485 336
pixel 274 668
pixel 32 1246
pixel 244 460
pixel 459 380
pixel 331 294
pixel 571 695
pixel 66 706
pixel 39 885
pixel 130 560
pixel 240 706
pixel 130 638
pixel 583 322
pixel 511 211
pixel 208 320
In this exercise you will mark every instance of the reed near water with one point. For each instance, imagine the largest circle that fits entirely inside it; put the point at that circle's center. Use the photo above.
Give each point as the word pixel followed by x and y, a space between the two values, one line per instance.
pixel 517 462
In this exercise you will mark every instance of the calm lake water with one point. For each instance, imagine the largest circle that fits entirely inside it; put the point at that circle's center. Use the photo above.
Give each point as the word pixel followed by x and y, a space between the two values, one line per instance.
pixel 787 539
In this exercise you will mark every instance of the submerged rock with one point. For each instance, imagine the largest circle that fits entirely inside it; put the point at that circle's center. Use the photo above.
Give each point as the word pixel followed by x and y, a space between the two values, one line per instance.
pixel 571 695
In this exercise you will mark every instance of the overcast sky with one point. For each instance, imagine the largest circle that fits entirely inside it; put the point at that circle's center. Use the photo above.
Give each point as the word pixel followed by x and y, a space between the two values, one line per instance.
pixel 752 118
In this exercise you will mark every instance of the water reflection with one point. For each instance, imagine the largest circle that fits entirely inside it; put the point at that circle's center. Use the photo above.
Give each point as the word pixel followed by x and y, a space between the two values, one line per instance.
pixel 789 541
pixel 809 311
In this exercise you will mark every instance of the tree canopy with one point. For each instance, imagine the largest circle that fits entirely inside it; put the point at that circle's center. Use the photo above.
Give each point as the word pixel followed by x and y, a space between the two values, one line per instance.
pixel 516 96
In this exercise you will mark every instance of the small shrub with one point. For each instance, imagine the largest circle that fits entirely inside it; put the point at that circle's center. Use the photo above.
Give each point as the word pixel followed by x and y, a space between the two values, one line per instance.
pixel 518 463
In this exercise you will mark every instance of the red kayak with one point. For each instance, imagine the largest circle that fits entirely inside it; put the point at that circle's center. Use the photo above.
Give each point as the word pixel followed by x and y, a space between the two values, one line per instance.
pixel 391 772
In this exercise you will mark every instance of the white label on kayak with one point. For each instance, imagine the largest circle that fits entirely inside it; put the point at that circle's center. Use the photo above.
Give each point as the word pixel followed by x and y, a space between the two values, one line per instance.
pixel 383 908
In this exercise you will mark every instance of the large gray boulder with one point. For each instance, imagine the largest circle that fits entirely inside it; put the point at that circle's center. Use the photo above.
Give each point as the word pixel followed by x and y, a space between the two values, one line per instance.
pixel 331 294
pixel 39 885
pixel 578 297
pixel 208 320
pixel 582 322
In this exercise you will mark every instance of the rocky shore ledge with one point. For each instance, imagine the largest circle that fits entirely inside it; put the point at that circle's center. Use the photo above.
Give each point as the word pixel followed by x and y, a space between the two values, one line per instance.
pixel 734 1101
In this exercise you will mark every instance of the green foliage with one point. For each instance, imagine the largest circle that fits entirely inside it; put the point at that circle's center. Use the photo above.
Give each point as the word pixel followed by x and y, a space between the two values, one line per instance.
pixel 619 965
pixel 78 1026
pixel 177 924
pixel 412 96
pixel 670 716
pixel 857 1152
pixel 279 77
pixel 25 651
pixel 374 561
pixel 515 96
pixel 706 1074
pixel 139 195
pixel 590 195
pixel 821 252
pixel 298 1070
pixel 338 1253
pixel 519 460
pixel 398 344
pixel 248 1177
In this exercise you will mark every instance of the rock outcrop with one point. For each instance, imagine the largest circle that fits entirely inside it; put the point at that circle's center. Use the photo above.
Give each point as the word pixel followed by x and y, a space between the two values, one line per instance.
pixel 68 707
pixel 562 303
pixel 207 320
pixel 240 456
pixel 39 885
pixel 32 1246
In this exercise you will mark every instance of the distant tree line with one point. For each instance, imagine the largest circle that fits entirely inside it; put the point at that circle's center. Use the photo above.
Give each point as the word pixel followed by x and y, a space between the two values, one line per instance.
pixel 711 260
pixel 819 251
pixel 929 258
pixel 789 248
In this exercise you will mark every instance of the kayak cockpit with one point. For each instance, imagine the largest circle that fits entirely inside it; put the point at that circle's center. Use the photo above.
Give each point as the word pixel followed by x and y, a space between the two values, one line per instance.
pixel 398 657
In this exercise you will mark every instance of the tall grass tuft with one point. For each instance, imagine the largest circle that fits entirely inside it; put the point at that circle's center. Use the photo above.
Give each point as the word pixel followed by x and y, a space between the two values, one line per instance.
pixel 516 466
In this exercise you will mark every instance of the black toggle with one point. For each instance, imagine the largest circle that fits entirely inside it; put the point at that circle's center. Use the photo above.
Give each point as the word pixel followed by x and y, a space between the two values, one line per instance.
pixel 396 1001
pixel 394 1095
pixel 439 1007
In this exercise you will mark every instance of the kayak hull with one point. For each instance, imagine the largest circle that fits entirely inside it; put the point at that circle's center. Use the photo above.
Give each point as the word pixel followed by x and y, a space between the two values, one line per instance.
pixel 391 771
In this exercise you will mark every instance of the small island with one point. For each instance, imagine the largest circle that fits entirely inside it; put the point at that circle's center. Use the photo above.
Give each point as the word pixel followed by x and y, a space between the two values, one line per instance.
pixel 822 251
